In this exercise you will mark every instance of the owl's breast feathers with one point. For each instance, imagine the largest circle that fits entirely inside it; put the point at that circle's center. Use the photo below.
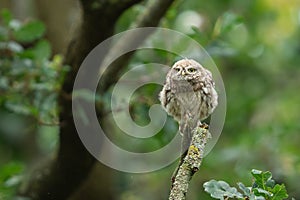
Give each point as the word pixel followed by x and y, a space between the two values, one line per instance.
pixel 183 86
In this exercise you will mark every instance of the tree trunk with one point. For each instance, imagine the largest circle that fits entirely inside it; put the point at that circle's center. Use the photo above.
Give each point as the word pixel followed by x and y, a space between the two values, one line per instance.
pixel 60 18
pixel 63 175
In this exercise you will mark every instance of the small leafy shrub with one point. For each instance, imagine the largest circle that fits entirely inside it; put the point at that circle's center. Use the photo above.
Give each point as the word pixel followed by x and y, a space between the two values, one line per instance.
pixel 264 187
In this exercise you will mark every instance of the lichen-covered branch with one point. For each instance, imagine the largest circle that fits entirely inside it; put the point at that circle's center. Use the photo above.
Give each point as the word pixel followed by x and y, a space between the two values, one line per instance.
pixel 191 163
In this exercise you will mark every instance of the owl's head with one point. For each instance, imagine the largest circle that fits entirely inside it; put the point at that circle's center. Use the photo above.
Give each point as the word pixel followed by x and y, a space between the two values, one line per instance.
pixel 187 69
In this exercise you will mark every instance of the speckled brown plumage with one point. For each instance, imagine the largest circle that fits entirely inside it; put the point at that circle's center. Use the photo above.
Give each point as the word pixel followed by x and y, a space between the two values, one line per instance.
pixel 189 87
pixel 189 93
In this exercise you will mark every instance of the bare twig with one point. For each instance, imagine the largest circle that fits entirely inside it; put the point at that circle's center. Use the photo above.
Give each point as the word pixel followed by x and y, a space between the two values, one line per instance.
pixel 44 123
pixel 191 163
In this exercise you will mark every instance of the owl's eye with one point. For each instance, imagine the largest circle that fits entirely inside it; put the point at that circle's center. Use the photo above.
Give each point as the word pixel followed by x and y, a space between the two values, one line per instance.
pixel 191 70
pixel 177 69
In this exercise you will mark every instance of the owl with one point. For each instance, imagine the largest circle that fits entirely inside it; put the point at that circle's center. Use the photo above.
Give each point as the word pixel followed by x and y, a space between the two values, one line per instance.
pixel 188 94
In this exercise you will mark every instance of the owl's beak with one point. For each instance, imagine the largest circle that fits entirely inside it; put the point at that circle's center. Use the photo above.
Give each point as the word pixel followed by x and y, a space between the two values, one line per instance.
pixel 182 72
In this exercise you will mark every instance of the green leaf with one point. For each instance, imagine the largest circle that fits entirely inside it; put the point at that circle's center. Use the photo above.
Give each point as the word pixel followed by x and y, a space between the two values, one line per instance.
pixel 245 189
pixel 9 170
pixel 56 62
pixel 4 83
pixel 18 108
pixel 10 178
pixel 262 192
pixel 40 52
pixel 41 86
pixel 199 36
pixel 261 178
pixel 13 181
pixel 6 16
pixel 30 31
pixel 15 24
pixel 279 192
pixel 270 183
pixel 11 46
pixel 226 23
pixel 265 186
pixel 221 189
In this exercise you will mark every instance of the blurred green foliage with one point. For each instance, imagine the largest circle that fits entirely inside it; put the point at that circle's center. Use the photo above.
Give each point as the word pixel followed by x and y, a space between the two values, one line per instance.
pixel 29 83
pixel 29 80
pixel 10 178
pixel 256 47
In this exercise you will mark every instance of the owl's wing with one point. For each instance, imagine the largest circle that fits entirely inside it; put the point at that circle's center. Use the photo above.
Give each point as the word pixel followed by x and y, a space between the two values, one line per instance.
pixel 169 102
pixel 163 95
pixel 209 77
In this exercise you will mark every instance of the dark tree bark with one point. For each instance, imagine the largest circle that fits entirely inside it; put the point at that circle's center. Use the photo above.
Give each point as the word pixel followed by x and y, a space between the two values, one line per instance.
pixel 60 177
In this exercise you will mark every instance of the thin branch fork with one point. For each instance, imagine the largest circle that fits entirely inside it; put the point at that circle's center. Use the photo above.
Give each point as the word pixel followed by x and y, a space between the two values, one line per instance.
pixel 191 163
pixel 155 10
